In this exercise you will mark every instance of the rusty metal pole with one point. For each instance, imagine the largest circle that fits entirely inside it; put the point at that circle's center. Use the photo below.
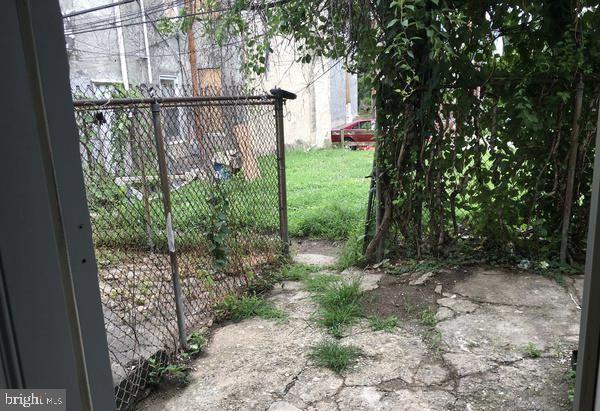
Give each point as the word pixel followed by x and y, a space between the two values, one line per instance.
pixel 283 216
pixel 166 199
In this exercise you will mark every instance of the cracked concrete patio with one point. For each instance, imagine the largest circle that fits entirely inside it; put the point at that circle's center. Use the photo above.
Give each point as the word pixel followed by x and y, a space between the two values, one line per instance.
pixel 478 361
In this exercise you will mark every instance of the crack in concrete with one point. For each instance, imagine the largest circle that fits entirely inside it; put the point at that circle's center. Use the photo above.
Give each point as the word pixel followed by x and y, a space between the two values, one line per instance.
pixel 294 380
pixel 486 302
pixel 431 374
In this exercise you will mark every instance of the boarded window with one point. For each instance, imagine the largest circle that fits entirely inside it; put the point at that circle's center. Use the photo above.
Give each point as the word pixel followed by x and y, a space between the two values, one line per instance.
pixel 210 84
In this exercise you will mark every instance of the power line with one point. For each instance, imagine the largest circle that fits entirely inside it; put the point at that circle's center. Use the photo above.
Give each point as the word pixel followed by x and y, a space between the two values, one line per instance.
pixel 318 77
pixel 108 25
pixel 108 22
pixel 90 10
pixel 113 26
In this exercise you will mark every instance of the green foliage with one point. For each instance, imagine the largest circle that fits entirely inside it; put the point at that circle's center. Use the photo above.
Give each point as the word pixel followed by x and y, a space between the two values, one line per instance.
pixel 105 257
pixel 196 343
pixel 433 339
pixel 556 271
pixel 310 194
pixel 241 308
pixel 388 324
pixel 340 305
pixel 409 306
pixel 571 377
pixel 166 26
pixel 413 266
pixel 428 317
pixel 209 213
pixel 157 369
pixel 319 283
pixel 532 351
pixel 218 229
pixel 169 25
pixel 352 252
pixel 472 141
pixel 333 355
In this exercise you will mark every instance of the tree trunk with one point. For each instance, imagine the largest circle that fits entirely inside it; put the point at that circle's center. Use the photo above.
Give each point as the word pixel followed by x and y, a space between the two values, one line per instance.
pixel 573 149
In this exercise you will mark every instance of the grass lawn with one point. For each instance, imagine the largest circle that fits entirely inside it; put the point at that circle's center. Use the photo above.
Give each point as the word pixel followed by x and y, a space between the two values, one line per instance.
pixel 327 198
pixel 327 191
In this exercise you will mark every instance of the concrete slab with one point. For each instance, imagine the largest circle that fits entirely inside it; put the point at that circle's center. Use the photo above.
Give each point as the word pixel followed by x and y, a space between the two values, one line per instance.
pixel 504 287
pixel 315 259
pixel 478 363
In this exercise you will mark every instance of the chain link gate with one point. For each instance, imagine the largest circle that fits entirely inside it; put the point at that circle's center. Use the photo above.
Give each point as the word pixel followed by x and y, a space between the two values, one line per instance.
pixel 187 202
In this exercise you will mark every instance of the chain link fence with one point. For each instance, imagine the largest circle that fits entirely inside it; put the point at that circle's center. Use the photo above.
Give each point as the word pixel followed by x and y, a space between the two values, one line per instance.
pixel 187 203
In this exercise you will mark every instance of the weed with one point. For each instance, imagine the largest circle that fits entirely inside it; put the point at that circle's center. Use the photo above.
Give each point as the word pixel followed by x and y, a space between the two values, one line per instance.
pixel 388 324
pixel 240 308
pixel 532 351
pixel 415 266
pixel 106 257
pixel 196 343
pixel 261 284
pixel 409 306
pixel 333 355
pixel 298 272
pixel 433 339
pixel 340 305
pixel 571 377
pixel 428 317
pixel 319 283
pixel 157 369
pixel 352 252
pixel 336 319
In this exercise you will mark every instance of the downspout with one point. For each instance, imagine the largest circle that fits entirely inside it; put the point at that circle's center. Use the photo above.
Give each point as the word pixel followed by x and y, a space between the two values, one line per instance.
pixel 121 44
pixel 145 30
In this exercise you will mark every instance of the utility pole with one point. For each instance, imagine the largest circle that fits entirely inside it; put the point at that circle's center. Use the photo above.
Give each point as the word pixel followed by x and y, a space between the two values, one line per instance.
pixel 146 47
pixel 190 6
pixel 121 44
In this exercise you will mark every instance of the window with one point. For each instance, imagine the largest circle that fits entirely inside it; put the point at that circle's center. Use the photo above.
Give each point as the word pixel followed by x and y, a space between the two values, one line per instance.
pixel 171 124
pixel 366 125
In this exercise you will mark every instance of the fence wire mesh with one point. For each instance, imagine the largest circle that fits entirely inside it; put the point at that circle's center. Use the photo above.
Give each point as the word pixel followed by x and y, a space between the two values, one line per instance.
pixel 208 216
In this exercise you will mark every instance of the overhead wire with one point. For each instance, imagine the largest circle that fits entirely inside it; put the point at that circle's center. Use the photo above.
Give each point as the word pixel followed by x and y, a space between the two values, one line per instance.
pixel 75 23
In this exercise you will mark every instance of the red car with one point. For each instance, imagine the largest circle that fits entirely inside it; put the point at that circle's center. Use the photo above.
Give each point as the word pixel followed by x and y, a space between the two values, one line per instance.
pixel 358 131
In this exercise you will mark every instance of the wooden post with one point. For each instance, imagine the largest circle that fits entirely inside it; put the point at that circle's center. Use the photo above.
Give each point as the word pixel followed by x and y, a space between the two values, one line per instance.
pixel 249 162
pixel 190 6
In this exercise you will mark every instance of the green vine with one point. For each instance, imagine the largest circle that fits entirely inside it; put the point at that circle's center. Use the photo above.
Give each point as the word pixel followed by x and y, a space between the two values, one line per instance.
pixel 474 140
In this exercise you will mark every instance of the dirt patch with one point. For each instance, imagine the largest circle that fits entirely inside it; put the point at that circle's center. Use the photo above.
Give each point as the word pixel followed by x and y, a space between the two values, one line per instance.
pixel 395 296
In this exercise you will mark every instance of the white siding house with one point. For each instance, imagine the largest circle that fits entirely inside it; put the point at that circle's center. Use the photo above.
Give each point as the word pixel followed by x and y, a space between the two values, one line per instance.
pixel 123 45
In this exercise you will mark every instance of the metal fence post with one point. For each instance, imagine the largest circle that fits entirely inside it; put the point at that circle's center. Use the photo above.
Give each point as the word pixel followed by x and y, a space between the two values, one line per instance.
pixel 379 207
pixel 283 216
pixel 166 199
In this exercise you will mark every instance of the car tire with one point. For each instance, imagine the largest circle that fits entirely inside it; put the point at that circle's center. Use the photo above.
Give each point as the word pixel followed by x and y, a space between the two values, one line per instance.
pixel 348 140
